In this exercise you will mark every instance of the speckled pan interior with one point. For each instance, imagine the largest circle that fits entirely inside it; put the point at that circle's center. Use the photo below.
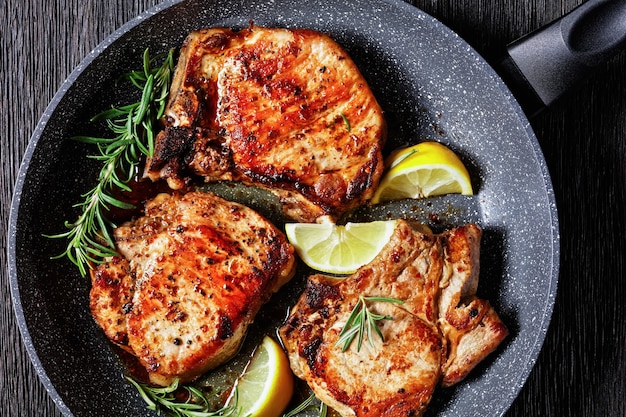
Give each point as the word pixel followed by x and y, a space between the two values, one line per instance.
pixel 431 85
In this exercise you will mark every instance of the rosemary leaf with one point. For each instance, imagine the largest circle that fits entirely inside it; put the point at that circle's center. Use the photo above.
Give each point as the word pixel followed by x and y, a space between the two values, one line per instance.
pixel 146 99
pixel 397 162
pixel 113 113
pixel 347 122
pixel 301 407
pixel 114 202
pixel 147 62
pixel 306 404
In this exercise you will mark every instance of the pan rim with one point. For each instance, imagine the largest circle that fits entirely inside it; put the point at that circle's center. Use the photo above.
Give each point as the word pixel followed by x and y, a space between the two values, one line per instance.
pixel 107 42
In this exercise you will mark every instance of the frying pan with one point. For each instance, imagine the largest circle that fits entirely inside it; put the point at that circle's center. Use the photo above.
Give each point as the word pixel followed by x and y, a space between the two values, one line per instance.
pixel 431 85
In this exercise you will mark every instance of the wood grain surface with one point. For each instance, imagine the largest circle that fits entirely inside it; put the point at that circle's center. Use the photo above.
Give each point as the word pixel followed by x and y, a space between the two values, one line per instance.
pixel 580 371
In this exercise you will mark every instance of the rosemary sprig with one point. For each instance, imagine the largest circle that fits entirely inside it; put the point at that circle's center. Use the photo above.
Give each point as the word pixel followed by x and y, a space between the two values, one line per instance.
pixel 362 323
pixel 196 405
pixel 134 128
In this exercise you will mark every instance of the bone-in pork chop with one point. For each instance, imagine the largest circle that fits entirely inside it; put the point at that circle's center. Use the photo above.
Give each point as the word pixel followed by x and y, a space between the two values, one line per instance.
pixel 193 273
pixel 426 340
pixel 283 109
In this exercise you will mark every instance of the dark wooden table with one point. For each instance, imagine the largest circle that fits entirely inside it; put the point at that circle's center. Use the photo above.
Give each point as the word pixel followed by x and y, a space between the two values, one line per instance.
pixel 581 369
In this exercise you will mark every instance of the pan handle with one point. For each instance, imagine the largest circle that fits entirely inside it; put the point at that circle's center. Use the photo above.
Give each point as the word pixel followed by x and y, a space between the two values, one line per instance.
pixel 543 65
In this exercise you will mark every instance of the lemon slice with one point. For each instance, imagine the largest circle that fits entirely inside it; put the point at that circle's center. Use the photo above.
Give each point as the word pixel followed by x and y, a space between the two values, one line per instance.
pixel 424 170
pixel 338 249
pixel 266 385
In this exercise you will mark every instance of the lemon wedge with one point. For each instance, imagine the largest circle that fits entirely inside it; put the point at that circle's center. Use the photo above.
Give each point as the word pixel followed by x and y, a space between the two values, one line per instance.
pixel 265 387
pixel 424 170
pixel 339 249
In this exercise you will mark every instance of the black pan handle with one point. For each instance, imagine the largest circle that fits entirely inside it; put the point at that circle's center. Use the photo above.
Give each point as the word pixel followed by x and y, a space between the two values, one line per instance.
pixel 543 65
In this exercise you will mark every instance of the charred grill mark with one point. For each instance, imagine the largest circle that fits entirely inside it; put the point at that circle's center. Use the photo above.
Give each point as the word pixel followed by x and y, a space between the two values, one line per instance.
pixel 177 142
pixel 281 89
pixel 309 352
pixel 317 294
pixel 174 314
pixel 325 312
pixel 292 323
pixel 225 329
pixel 365 178
pixel 270 175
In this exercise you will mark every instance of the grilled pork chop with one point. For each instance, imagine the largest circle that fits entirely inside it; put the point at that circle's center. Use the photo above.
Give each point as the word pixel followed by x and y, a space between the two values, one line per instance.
pixel 193 273
pixel 438 334
pixel 286 110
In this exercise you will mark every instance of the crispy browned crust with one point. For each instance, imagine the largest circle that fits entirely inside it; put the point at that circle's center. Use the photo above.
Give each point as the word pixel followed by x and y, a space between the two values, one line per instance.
pixel 197 270
pixel 435 336
pixel 283 109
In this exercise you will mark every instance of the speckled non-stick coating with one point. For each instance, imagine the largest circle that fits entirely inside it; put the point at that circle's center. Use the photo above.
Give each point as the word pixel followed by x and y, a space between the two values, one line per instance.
pixel 431 85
